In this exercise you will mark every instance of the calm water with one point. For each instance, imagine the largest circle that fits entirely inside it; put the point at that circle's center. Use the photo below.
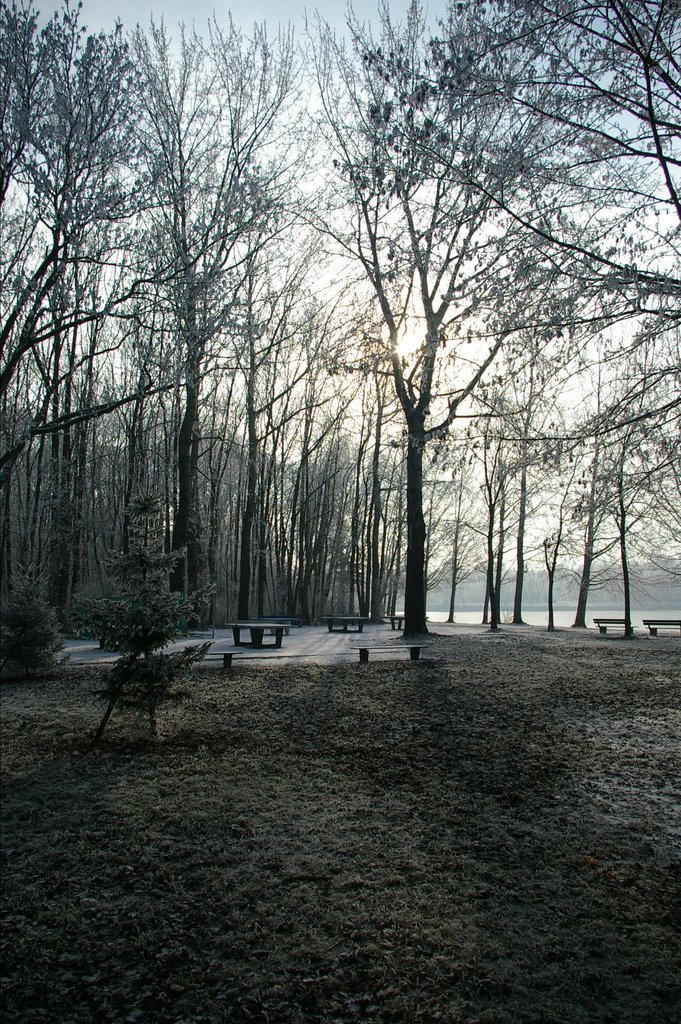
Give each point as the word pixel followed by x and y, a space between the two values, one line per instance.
pixel 562 616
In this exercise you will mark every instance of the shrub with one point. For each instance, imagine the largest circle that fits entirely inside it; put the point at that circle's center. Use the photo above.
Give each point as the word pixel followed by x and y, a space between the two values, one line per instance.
pixel 29 631
pixel 145 617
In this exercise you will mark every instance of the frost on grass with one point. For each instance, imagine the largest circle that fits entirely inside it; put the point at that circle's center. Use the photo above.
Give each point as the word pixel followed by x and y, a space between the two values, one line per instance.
pixel 493 835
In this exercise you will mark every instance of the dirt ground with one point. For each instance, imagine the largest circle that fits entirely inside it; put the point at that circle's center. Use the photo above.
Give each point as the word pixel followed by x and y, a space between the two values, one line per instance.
pixel 491 835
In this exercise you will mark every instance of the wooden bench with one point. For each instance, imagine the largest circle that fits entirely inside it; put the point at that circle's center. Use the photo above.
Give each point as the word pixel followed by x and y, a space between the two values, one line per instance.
pixel 414 650
pixel 655 624
pixel 345 621
pixel 224 656
pixel 227 657
pixel 604 623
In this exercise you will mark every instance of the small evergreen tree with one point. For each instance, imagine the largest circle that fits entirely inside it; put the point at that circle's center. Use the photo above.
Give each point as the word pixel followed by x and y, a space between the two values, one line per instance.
pixel 146 617
pixel 29 630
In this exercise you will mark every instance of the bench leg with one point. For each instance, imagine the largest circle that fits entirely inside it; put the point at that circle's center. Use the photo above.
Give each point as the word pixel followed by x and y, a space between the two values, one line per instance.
pixel 227 659
pixel 653 630
pixel 602 629
pixel 363 654
pixel 414 653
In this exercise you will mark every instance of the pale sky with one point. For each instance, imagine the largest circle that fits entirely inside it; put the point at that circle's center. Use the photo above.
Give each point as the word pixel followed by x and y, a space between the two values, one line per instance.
pixel 99 14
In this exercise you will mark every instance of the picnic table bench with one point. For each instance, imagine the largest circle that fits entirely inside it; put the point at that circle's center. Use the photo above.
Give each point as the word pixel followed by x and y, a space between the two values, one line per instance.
pixel 414 650
pixel 604 623
pixel 396 620
pixel 257 631
pixel 345 621
pixel 655 624
pixel 224 656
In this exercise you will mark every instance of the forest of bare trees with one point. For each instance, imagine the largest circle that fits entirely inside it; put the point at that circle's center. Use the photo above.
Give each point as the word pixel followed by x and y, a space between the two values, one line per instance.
pixel 370 316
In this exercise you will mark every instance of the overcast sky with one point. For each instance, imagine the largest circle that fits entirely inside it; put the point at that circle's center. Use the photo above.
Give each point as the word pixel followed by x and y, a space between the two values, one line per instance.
pixel 103 13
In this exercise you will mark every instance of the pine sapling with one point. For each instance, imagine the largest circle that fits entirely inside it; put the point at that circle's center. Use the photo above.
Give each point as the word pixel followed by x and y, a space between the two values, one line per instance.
pixel 146 617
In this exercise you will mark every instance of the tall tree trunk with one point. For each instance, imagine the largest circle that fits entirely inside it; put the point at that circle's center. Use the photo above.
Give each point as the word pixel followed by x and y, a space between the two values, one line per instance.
pixel 499 573
pixel 455 573
pixel 184 528
pixel 589 545
pixel 490 596
pixel 6 567
pixel 248 517
pixel 584 584
pixel 624 559
pixel 520 543
pixel 414 588
pixel 456 552
pixel 376 610
pixel 133 477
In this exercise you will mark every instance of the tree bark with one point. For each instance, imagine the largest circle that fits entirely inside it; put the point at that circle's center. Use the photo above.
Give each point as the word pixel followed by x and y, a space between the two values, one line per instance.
pixel 520 544
pixel 248 517
pixel 624 559
pixel 184 529
pixel 589 542
pixel 414 587
pixel 376 609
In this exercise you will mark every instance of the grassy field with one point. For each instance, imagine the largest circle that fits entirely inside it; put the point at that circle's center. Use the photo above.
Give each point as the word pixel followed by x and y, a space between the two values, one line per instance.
pixel 492 835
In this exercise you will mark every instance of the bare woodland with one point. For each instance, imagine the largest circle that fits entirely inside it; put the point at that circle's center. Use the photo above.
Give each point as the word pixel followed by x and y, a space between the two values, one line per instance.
pixel 301 325
pixel 369 316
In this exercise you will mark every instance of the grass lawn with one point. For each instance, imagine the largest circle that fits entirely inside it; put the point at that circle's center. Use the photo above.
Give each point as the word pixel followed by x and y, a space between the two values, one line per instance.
pixel 491 835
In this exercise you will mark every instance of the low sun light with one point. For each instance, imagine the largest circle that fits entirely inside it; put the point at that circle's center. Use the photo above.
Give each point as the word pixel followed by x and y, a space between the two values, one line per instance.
pixel 410 341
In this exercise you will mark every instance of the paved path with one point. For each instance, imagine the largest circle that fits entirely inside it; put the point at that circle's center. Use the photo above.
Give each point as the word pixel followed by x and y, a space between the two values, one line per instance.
pixel 313 643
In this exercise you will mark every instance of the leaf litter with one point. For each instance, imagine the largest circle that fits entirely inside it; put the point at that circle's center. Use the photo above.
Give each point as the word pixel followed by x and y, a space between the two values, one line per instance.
pixel 490 835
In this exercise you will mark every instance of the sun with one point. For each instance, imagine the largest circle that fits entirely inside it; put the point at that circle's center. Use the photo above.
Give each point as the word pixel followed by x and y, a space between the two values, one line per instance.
pixel 410 341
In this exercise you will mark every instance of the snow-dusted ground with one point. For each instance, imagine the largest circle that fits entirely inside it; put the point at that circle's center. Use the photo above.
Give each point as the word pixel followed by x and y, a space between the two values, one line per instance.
pixel 490 835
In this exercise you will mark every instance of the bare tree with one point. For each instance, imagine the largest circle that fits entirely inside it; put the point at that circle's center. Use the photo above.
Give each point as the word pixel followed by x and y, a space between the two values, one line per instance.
pixel 66 198
pixel 443 267
pixel 602 181
pixel 208 117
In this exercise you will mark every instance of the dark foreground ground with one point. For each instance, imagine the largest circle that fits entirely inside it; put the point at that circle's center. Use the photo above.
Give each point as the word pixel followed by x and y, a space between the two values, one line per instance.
pixel 493 836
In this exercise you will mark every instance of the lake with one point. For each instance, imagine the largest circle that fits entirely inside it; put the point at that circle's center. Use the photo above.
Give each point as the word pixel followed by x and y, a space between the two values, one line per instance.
pixel 561 616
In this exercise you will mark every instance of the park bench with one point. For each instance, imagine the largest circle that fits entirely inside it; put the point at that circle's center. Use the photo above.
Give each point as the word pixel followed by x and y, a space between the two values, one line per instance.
pixel 224 656
pixel 414 650
pixel 655 624
pixel 345 621
pixel 604 623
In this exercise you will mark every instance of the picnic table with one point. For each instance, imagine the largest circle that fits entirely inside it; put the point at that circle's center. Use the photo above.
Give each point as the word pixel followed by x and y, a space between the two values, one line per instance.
pixel 257 630
pixel 344 621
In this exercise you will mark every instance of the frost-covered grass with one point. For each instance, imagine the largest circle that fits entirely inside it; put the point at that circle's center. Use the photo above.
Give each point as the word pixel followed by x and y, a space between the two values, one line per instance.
pixel 493 835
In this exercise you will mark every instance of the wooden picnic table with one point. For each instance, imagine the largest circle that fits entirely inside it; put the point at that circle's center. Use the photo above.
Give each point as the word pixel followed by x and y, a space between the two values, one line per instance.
pixel 345 621
pixel 257 631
